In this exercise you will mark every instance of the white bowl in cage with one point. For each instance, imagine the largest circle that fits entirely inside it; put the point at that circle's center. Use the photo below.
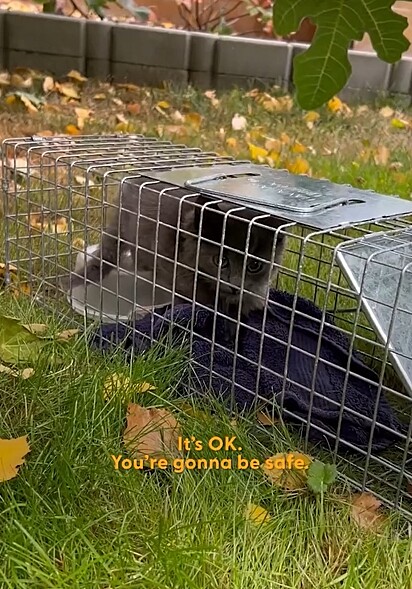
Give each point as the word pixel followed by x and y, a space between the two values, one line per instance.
pixel 120 294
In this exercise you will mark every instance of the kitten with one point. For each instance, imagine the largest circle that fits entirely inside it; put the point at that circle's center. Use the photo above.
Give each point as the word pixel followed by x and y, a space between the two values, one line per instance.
pixel 137 223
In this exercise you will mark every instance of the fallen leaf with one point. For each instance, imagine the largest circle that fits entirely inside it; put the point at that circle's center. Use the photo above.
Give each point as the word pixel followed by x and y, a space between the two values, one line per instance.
pixel 19 82
pixel 10 99
pixel 178 130
pixel 273 145
pixel 82 115
pixel 48 223
pixel 45 133
pixel 134 108
pixel 118 384
pixel 78 243
pixel 17 344
pixel 36 328
pixel 335 104
pixel 256 152
pixel 26 373
pixel 4 79
pixel 163 104
pixel 399 123
pixel 28 104
pixel 99 97
pixel 153 432
pixel 288 478
pixel 311 117
pixel 298 166
pixel 265 419
pixel 239 123
pixel 117 101
pixel 130 87
pixel 362 109
pixel 72 130
pixel 12 454
pixel 298 147
pixel 284 137
pixel 256 514
pixel 122 127
pixel 381 155
pixel 211 95
pixel 365 511
pixel 387 112
pixel 48 84
pixel 75 75
pixel 271 104
pixel 67 334
pixel 231 142
pixel 194 119
pixel 67 90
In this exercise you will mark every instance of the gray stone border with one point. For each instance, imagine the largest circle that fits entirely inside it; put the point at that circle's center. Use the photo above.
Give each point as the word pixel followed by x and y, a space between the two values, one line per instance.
pixel 151 56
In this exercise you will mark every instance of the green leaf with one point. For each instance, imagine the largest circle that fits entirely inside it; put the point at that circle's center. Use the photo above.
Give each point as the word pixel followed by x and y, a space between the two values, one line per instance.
pixel 320 475
pixel 17 344
pixel 323 70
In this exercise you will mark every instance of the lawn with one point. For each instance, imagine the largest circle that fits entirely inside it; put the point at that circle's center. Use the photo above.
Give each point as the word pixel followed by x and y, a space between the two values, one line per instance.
pixel 69 519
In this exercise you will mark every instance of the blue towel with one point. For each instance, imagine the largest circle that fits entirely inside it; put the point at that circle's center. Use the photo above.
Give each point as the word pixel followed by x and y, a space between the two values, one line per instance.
pixel 360 396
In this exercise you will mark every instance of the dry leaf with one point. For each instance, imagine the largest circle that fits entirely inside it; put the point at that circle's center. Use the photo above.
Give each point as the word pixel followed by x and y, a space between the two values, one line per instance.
pixel 311 117
pixel 45 133
pixel 130 87
pixel 256 514
pixel 134 108
pixel 99 97
pixel 194 119
pixel 28 104
pixel 78 243
pixel 4 79
pixel 256 152
pixel 72 130
pixel 298 147
pixel 67 90
pixel 387 112
pixel 10 99
pixel 211 95
pixel 399 123
pixel 153 432
pixel 298 166
pixel 285 139
pixel 19 82
pixel 231 142
pixel 381 155
pixel 365 511
pixel 36 328
pixel 239 123
pixel 82 115
pixel 118 384
pixel 12 454
pixel 274 145
pixel 48 224
pixel 75 75
pixel 335 104
pixel 67 334
pixel 48 84
pixel 288 470
pixel 265 419
pixel 362 109
pixel 163 104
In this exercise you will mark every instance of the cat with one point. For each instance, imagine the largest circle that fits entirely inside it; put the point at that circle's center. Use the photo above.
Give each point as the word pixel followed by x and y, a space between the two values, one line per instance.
pixel 148 214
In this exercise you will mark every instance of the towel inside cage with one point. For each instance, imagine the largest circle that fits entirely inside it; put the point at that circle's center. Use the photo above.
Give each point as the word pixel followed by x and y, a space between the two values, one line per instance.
pixel 120 294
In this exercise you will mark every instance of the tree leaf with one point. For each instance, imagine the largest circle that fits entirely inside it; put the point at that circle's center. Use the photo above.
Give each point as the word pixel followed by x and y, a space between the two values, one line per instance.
pixel 256 514
pixel 322 71
pixel 365 512
pixel 288 470
pixel 12 454
pixel 17 344
pixel 75 75
pixel 151 432
pixel 321 475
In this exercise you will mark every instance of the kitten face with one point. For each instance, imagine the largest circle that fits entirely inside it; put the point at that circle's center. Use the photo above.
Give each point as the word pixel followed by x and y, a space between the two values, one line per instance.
pixel 253 271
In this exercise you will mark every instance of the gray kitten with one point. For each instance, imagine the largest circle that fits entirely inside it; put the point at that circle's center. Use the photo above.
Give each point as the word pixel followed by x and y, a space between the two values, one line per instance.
pixel 149 215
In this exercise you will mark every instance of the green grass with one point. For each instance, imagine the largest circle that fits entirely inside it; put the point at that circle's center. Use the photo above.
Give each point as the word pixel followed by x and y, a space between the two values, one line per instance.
pixel 70 520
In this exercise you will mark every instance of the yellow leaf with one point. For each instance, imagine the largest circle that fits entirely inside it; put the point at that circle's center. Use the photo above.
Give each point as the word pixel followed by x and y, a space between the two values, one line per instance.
pixel 298 147
pixel 82 115
pixel 99 97
pixel 67 90
pixel 256 152
pixel 67 334
pixel 72 130
pixel 78 243
pixel 381 155
pixel 36 328
pixel 399 123
pixel 239 123
pixel 12 454
pixel 231 142
pixel 284 137
pixel 335 104
pixel 75 75
pixel 10 99
pixel 163 104
pixel 194 119
pixel 256 514
pixel 273 145
pixel 48 84
pixel 288 470
pixel 118 384
pixel 311 116
pixel 298 166
pixel 167 25
pixel 265 419
pixel 387 112
pixel 45 133
pixel 28 104
pixel 271 104
pixel 122 127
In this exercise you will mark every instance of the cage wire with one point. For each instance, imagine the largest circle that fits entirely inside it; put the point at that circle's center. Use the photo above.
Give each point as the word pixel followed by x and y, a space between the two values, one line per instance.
pixel 347 284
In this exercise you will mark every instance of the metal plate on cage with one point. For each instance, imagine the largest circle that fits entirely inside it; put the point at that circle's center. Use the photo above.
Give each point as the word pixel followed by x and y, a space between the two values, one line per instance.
pixel 379 269
pixel 309 201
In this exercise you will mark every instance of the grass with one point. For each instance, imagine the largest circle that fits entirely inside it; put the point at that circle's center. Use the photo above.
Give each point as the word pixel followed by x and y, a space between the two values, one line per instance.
pixel 70 520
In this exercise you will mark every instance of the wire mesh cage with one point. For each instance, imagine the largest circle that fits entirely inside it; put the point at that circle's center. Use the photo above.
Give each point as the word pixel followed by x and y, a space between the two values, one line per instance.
pixel 287 292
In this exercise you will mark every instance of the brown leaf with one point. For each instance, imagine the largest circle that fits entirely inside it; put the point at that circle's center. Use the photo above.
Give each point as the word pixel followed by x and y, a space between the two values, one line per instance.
pixel 67 90
pixel 48 84
pixel 67 334
pixel 282 470
pixel 387 112
pixel 19 82
pixel 4 79
pixel 99 97
pixel 28 104
pixel 265 419
pixel 381 155
pixel 75 75
pixel 36 328
pixel 153 432
pixel 194 119
pixel 72 130
pixel 133 108
pixel 82 115
pixel 365 511
pixel 12 454
pixel 130 87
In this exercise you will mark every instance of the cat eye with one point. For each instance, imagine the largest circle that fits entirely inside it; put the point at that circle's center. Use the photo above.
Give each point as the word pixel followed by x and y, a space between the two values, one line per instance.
pixel 254 266
pixel 225 261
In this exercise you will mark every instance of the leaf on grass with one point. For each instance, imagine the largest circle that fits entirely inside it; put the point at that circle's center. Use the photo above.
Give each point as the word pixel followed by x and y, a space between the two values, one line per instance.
pixel 298 166
pixel 194 119
pixel 36 328
pixel 256 514
pixel 120 385
pixel 310 118
pixel 387 112
pixel 82 115
pixel 399 123
pixel 265 419
pixel 239 123
pixel 134 108
pixel 24 374
pixel 75 75
pixel 67 334
pixel 12 453
pixel 365 511
pixel 67 90
pixel 285 139
pixel 72 130
pixel 48 84
pixel 99 97
pixel 320 476
pixel 288 470
pixel 381 155
pixel 298 147
pixel 256 152
pixel 163 105
pixel 153 432
pixel 231 142
pixel 17 344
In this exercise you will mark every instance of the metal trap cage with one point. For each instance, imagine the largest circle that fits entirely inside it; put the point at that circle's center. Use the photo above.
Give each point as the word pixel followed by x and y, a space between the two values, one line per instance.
pixel 287 292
